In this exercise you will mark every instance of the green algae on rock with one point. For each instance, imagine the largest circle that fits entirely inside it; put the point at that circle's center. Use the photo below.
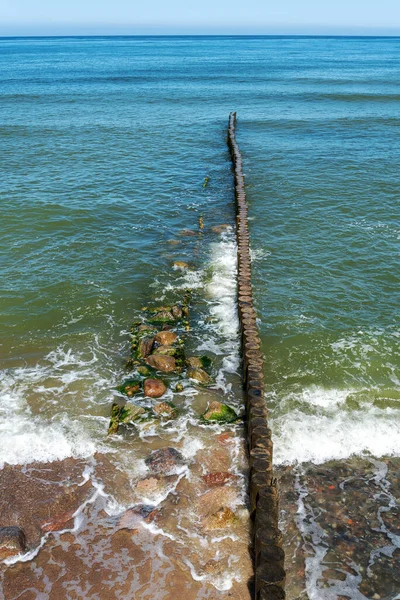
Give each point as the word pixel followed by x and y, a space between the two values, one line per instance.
pixel 130 387
pixel 217 412
pixel 129 413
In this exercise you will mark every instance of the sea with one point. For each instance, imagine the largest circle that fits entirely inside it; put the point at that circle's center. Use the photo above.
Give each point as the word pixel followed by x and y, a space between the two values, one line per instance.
pixel 113 151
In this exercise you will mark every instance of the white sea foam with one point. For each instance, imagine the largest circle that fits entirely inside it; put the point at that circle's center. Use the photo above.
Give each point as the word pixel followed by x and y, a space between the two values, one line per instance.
pixel 324 428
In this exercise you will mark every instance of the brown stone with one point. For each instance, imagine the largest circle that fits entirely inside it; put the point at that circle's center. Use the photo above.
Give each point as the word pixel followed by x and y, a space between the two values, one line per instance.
pixel 145 346
pixel 166 338
pixel 163 409
pixel 154 388
pixel 222 518
pixel 180 264
pixel 165 461
pixel 199 375
pixel 218 478
pixel 166 364
pixel 12 541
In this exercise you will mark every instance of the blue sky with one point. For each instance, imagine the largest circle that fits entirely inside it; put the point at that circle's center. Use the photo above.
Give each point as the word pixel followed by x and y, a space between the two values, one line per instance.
pixel 59 17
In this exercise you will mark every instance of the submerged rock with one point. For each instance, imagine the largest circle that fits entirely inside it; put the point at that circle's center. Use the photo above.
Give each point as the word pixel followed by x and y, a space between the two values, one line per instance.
pixel 166 338
pixel 198 362
pixel 180 264
pixel 220 228
pixel 224 517
pixel 179 388
pixel 165 410
pixel 219 413
pixel 166 364
pixel 199 375
pixel 154 388
pixel 114 422
pixel 130 387
pixel 165 461
pixel 218 478
pixel 12 541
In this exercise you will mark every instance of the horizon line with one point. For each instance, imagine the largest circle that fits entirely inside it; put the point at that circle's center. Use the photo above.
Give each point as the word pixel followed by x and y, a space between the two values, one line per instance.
pixel 175 35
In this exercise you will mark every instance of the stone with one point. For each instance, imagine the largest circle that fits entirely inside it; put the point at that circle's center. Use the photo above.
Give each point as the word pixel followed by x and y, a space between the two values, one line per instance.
pixel 199 375
pixel 177 311
pixel 224 517
pixel 218 478
pixel 173 242
pixel 165 350
pixel 180 264
pixel 12 541
pixel 144 328
pixel 213 499
pixel 165 410
pixel 165 364
pixel 187 232
pixel 220 228
pixel 130 387
pixel 144 371
pixel 179 388
pixel 154 388
pixel 114 422
pixel 145 347
pixel 219 413
pixel 131 413
pixel 166 338
pixel 226 438
pixel 198 362
pixel 163 316
pixel 165 461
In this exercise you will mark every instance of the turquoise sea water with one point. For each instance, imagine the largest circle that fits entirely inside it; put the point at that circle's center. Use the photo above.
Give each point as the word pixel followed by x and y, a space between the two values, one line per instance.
pixel 105 146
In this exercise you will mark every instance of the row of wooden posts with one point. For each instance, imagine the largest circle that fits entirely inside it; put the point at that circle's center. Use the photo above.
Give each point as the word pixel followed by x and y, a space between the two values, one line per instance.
pixel 267 539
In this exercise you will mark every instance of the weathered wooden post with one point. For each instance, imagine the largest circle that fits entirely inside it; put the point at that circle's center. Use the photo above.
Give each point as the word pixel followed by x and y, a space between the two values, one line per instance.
pixel 267 539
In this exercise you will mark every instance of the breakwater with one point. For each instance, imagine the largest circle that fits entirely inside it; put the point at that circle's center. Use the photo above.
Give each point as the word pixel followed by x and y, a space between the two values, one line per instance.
pixel 267 539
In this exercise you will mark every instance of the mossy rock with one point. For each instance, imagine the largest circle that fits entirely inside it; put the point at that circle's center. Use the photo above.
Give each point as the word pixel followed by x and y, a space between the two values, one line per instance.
pixel 144 371
pixel 130 387
pixel 179 387
pixel 165 410
pixel 217 412
pixel 166 350
pixel 199 362
pixel 163 316
pixel 114 422
pixel 199 375
pixel 131 413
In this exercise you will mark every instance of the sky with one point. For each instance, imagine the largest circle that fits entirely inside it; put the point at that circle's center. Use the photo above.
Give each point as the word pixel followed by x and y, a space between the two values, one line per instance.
pixel 131 17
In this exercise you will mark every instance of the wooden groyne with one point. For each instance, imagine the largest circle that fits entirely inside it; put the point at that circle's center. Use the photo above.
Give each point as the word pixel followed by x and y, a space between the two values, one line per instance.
pixel 267 539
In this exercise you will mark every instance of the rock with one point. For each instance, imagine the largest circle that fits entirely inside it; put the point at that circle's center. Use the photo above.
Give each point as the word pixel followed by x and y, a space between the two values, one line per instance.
pixel 180 264
pixel 219 413
pixel 212 500
pixel 179 388
pixel 228 437
pixel 59 523
pixel 220 228
pixel 131 413
pixel 166 364
pixel 173 242
pixel 144 371
pixel 224 517
pixel 198 362
pixel 218 478
pixel 130 387
pixel 165 410
pixel 154 388
pixel 164 316
pixel 114 422
pixel 132 517
pixel 165 350
pixel 166 338
pixel 177 312
pixel 187 232
pixel 145 347
pixel 199 375
pixel 12 541
pixel 165 461
pixel 144 327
